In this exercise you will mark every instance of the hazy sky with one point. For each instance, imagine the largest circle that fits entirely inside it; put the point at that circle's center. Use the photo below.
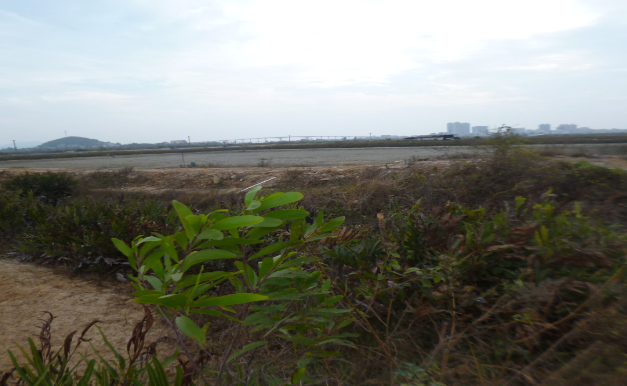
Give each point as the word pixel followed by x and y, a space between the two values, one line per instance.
pixel 157 70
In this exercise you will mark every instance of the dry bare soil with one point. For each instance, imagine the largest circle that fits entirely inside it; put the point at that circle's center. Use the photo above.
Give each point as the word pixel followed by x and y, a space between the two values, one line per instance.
pixel 28 290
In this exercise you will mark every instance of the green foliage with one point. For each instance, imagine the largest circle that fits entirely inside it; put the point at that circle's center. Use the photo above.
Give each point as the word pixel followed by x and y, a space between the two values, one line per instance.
pixel 508 275
pixel 44 365
pixel 81 230
pixel 274 295
pixel 17 212
pixel 50 187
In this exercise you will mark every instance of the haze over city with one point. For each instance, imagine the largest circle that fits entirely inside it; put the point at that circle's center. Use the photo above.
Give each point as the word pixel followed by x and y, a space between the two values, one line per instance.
pixel 153 71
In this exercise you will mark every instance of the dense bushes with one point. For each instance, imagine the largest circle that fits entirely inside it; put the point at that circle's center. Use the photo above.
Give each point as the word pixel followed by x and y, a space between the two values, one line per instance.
pixel 78 231
pixel 49 187
pixel 504 289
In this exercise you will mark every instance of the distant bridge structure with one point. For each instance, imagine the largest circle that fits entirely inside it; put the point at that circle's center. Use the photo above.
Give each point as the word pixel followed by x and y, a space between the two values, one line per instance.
pixel 288 137
pixel 444 137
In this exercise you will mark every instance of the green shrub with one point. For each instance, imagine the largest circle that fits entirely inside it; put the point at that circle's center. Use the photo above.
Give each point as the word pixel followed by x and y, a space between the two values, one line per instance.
pixel 80 231
pixel 50 187
pixel 493 283
pixel 273 297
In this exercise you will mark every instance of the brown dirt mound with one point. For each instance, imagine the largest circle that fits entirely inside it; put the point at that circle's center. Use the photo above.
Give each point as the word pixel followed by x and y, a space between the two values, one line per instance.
pixel 28 290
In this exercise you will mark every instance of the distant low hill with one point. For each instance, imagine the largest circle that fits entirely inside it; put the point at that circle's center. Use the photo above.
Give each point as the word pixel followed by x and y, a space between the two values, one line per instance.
pixel 74 142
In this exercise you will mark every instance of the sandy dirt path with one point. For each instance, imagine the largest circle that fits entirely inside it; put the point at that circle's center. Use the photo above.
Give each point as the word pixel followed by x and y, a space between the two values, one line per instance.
pixel 27 290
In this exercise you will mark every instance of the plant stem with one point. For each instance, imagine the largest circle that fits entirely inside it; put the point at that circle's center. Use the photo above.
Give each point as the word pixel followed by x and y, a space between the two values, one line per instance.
pixel 183 346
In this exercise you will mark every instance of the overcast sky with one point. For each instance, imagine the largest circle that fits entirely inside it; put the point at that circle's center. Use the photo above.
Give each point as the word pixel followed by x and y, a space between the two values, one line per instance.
pixel 158 70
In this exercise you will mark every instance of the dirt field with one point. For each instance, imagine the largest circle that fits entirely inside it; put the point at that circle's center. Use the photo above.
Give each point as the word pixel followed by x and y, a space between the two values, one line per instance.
pixel 29 289
pixel 288 158
pixel 277 158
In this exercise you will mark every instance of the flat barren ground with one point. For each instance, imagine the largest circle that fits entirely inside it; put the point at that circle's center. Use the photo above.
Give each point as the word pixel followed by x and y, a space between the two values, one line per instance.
pixel 278 158
pixel 29 289
pixel 292 157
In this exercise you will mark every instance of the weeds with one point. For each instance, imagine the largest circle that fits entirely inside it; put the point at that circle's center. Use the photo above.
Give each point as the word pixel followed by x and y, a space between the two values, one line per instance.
pixel 264 162
pixel 47 366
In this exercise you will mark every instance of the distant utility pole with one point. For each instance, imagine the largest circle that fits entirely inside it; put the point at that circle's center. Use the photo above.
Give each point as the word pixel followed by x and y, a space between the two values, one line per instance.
pixel 14 145
pixel 65 131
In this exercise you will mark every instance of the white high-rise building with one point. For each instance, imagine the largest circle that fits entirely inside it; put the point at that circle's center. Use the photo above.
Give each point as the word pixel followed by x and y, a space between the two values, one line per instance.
pixel 458 128
pixel 544 128
pixel 480 130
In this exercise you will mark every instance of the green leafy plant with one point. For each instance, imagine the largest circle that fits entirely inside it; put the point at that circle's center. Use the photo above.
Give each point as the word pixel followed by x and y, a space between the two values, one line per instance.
pixel 274 292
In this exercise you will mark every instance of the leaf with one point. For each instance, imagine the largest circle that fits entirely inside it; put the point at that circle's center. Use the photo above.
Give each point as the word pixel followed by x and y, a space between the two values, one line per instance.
pixel 320 218
pixel 345 323
pixel 148 246
pixel 250 195
pixel 280 199
pixel 211 234
pixel 122 247
pixel 256 318
pixel 520 201
pixel 287 294
pixel 336 222
pixel 204 277
pixel 169 248
pixel 296 229
pixel 229 300
pixel 173 301
pixel 215 313
pixel 254 204
pixel 265 266
pixel 206 255
pixel 196 223
pixel 228 242
pixel 276 247
pixel 182 210
pixel 258 233
pixel 287 214
pixel 189 328
pixel 245 349
pixel 181 239
pixel 269 223
pixel 332 300
pixel 236 222
pixel 154 282
pixel 153 261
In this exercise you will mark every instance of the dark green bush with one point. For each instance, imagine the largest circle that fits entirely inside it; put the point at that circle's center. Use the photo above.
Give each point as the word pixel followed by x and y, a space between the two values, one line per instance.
pixel 50 187
pixel 17 211
pixel 80 231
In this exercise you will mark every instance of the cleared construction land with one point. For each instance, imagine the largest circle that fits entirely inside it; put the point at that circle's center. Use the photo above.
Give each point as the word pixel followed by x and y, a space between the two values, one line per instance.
pixel 286 157
pixel 278 158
